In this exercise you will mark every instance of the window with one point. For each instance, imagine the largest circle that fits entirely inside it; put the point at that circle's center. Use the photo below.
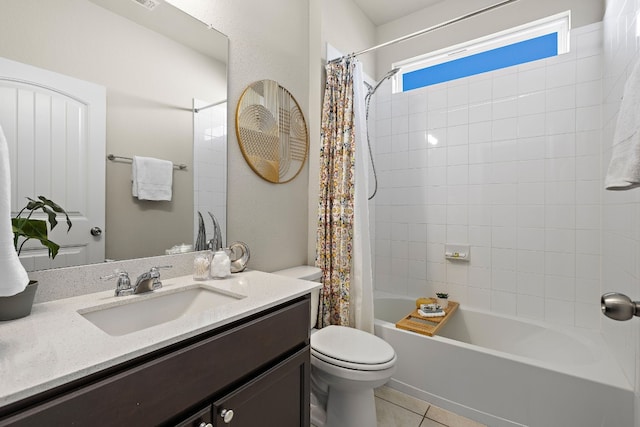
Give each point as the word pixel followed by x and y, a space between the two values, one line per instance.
pixel 537 40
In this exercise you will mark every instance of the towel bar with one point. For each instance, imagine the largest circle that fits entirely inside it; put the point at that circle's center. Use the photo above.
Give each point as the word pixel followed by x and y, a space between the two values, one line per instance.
pixel 112 157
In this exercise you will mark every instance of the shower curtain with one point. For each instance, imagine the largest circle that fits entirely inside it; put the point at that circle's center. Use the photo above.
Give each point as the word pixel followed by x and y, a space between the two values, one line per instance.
pixel 343 248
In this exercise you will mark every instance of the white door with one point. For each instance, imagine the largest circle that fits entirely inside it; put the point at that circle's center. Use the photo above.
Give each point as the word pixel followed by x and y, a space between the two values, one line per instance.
pixel 55 127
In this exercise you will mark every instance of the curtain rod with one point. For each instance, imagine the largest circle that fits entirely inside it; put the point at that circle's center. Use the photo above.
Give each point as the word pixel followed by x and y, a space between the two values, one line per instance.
pixel 113 158
pixel 428 30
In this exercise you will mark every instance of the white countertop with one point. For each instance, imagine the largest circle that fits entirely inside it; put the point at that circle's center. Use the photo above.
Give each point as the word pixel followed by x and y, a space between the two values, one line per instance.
pixel 55 344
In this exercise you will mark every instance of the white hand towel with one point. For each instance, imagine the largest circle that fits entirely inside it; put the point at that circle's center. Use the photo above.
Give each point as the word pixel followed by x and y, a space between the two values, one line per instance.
pixel 440 313
pixel 152 178
pixel 14 277
pixel 624 168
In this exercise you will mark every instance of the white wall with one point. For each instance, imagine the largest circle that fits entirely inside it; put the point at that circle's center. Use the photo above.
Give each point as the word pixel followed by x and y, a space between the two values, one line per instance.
pixel 349 30
pixel 267 40
pixel 514 174
pixel 620 210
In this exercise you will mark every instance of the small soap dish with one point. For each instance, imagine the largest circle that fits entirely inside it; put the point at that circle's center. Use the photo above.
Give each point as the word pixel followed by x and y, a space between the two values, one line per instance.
pixel 457 252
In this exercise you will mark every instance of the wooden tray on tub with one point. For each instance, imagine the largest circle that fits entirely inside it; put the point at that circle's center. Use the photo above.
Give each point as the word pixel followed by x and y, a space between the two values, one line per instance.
pixel 427 325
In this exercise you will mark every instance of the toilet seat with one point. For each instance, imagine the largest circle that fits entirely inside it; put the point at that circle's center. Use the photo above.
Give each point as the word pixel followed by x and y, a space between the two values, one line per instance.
pixel 351 348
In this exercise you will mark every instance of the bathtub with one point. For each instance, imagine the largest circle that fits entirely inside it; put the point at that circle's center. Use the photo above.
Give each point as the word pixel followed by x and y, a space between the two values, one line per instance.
pixel 503 371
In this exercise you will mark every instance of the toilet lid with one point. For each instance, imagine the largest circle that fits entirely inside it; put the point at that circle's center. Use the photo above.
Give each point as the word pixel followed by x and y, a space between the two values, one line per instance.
pixel 352 348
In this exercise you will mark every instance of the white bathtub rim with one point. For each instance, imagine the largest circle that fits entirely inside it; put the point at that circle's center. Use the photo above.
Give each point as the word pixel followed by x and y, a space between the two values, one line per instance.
pixel 606 370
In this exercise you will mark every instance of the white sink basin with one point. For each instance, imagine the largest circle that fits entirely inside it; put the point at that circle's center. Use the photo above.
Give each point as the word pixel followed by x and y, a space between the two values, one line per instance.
pixel 147 310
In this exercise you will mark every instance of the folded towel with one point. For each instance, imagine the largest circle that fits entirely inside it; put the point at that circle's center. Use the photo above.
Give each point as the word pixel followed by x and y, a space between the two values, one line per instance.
pixel 438 313
pixel 152 178
pixel 14 276
pixel 624 168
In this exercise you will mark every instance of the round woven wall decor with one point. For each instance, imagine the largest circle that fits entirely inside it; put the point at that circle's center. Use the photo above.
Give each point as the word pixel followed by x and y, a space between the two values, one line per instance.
pixel 272 132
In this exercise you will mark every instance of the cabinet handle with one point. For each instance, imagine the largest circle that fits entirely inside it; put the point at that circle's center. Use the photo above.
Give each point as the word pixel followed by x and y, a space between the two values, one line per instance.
pixel 227 415
pixel 203 424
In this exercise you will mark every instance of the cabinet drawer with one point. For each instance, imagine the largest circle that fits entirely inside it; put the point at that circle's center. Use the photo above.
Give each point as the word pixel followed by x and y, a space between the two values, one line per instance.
pixel 279 397
pixel 157 390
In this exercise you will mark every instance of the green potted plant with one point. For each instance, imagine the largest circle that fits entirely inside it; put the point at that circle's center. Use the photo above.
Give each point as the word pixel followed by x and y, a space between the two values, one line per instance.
pixel 26 228
pixel 442 299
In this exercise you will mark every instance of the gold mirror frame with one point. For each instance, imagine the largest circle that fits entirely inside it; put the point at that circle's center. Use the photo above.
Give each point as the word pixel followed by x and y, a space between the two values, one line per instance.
pixel 272 132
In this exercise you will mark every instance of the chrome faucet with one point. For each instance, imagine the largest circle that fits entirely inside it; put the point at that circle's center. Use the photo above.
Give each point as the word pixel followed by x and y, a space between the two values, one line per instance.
pixel 149 281
pixel 123 285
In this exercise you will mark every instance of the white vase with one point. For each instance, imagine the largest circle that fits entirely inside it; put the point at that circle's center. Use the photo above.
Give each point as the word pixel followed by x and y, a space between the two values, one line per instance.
pixel 442 302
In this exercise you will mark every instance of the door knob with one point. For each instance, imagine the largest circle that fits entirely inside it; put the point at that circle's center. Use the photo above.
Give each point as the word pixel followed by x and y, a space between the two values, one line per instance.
pixel 96 231
pixel 618 306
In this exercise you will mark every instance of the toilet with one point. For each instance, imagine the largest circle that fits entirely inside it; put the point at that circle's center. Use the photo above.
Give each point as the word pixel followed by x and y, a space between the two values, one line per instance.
pixel 347 364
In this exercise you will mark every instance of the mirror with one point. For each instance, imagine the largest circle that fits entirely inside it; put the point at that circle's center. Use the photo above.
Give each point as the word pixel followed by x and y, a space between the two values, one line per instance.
pixel 272 132
pixel 164 73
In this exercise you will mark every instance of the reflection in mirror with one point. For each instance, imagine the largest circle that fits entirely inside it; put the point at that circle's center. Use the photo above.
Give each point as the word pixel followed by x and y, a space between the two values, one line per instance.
pixel 157 67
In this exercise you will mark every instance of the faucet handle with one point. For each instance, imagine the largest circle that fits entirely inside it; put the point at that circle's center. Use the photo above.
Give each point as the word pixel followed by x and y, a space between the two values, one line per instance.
pixel 123 285
pixel 154 274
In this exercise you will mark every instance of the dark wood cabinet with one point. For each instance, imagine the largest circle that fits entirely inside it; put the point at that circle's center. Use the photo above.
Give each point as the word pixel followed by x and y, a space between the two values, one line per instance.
pixel 275 398
pixel 258 367
pixel 202 418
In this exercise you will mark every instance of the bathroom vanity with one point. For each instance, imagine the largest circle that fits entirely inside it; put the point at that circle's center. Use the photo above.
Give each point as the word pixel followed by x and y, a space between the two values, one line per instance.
pixel 244 363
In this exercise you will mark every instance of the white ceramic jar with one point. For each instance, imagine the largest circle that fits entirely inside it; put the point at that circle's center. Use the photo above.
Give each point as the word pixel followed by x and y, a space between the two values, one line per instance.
pixel 220 265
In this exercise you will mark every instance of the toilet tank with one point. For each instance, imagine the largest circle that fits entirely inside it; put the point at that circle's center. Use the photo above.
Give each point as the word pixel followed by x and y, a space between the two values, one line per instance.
pixel 313 274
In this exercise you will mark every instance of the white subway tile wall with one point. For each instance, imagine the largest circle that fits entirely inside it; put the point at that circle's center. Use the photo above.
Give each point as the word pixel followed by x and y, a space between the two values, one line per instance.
pixel 210 174
pixel 508 162
pixel 620 213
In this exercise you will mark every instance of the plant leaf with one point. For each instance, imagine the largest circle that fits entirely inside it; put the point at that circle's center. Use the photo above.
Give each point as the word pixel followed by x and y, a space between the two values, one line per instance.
pixel 32 205
pixel 51 215
pixel 56 208
pixel 26 228
pixel 29 229
pixel 53 247
pixel 32 228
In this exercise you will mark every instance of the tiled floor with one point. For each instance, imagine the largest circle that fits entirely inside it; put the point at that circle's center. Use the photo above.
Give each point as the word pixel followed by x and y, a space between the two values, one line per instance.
pixel 396 409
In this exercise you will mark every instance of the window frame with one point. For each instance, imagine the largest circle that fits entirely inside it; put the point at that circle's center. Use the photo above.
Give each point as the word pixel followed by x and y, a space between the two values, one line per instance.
pixel 559 23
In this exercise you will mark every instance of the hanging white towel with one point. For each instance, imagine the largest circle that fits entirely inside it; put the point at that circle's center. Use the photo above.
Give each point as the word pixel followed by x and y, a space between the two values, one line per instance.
pixel 152 178
pixel 14 277
pixel 624 168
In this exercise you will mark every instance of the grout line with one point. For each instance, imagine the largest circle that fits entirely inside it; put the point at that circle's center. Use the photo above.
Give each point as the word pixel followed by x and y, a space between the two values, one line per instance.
pixel 403 408
pixel 434 421
pixel 413 412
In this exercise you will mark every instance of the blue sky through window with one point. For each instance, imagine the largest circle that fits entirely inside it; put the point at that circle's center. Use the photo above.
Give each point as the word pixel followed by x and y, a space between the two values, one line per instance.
pixel 495 59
